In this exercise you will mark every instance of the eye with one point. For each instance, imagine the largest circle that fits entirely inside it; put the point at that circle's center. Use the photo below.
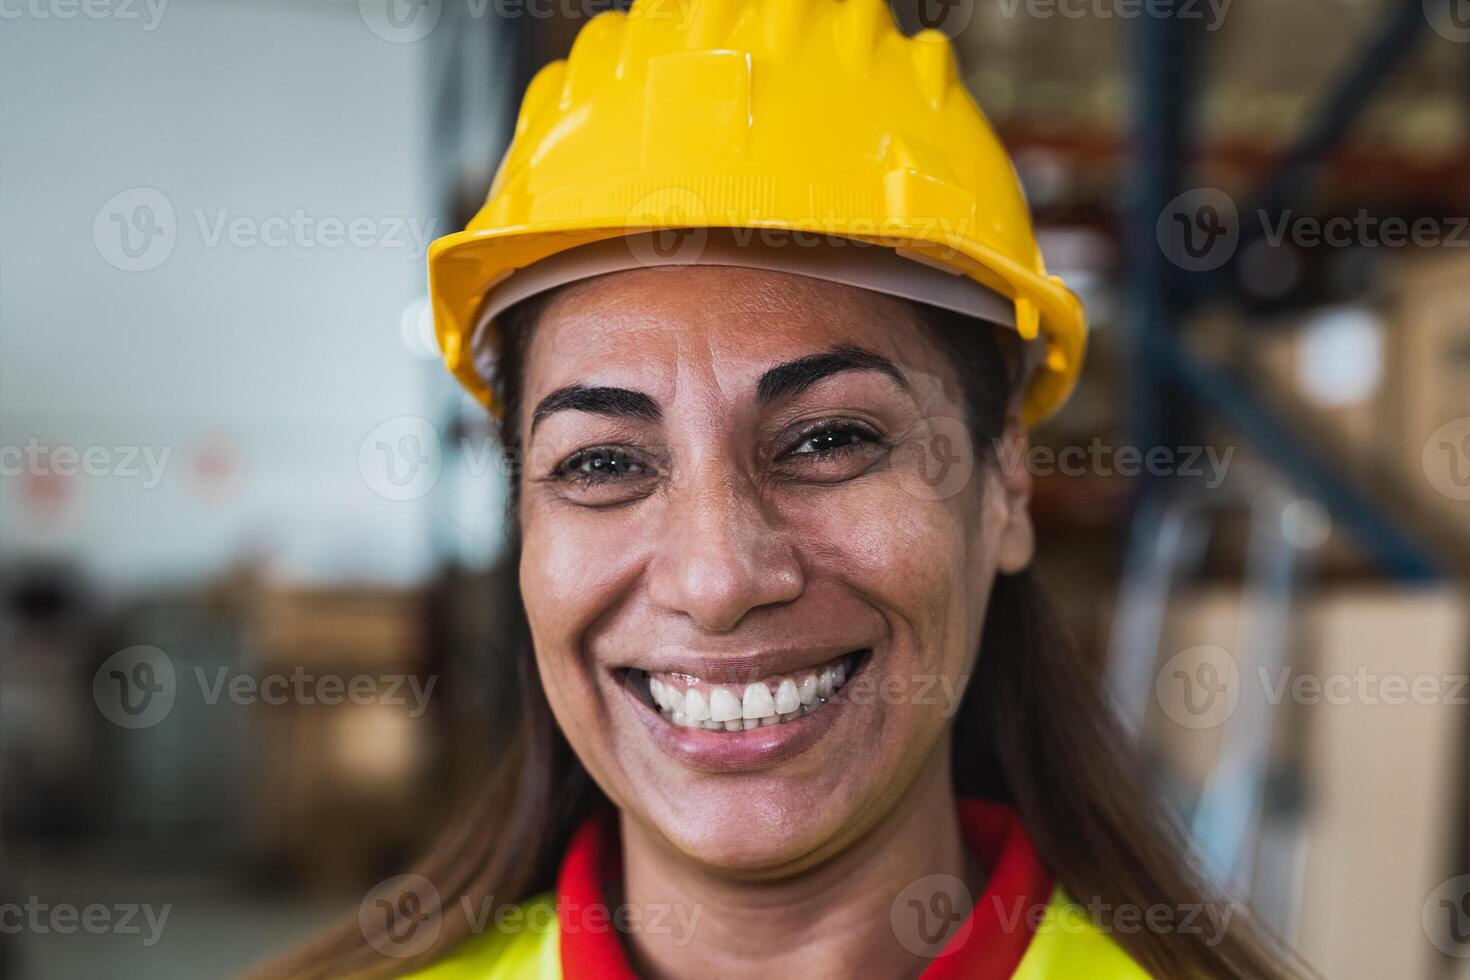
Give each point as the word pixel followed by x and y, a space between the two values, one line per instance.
pixel 599 464
pixel 832 438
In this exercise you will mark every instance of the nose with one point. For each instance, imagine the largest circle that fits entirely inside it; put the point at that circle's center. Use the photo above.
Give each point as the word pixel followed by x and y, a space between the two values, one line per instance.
pixel 722 555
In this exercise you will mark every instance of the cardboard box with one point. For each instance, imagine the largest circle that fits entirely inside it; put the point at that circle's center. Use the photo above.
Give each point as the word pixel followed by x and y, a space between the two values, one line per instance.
pixel 373 629
pixel 1209 640
pixel 1385 768
pixel 338 789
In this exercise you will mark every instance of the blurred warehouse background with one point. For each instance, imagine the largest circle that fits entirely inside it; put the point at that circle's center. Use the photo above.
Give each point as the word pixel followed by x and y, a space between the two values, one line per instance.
pixel 252 533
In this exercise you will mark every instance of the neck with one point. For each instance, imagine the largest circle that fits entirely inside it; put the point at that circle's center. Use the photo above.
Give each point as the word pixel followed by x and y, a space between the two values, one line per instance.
pixel 831 920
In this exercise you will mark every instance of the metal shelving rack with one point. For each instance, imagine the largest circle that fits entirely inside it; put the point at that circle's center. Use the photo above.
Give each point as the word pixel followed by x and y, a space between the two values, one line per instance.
pixel 1169 382
pixel 1172 388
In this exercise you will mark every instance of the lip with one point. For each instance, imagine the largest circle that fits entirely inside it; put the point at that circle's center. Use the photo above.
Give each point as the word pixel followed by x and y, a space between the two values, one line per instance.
pixel 745 751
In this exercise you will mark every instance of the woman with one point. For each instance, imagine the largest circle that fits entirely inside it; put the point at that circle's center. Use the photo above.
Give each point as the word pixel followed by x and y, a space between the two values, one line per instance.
pixel 757 301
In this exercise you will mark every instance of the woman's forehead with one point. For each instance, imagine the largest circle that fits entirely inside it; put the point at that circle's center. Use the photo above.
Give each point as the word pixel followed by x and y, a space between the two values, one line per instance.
pixel 725 319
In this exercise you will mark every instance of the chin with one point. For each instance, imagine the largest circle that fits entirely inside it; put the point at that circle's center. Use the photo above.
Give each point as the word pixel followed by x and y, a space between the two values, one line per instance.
pixel 751 826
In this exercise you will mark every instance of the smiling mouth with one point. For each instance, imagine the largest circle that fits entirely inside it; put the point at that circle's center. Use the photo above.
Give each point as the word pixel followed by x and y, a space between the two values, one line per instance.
pixel 686 701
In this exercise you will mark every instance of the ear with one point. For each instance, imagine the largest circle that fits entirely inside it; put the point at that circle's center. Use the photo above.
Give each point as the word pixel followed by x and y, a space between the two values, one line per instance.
pixel 1016 544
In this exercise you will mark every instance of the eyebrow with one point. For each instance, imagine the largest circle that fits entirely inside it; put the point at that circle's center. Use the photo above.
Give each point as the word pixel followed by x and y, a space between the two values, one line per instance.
pixel 797 376
pixel 599 400
pixel 781 381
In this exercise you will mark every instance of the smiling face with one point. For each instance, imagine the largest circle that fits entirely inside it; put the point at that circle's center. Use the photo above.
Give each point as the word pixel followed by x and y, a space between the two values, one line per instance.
pixel 756 552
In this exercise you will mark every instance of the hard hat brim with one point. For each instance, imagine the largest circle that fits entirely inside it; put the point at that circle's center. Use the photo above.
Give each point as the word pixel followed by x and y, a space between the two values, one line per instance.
pixel 464 267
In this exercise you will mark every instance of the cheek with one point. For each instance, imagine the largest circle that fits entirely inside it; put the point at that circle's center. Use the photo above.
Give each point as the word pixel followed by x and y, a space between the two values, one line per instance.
pixel 572 566
pixel 913 558
pixel 570 574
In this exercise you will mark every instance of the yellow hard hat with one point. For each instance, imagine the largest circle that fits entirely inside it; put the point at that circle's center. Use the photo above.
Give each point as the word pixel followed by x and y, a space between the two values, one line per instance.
pixel 809 116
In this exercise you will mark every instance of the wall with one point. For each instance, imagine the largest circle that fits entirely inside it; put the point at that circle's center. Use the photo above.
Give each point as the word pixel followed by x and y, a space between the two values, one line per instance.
pixel 250 347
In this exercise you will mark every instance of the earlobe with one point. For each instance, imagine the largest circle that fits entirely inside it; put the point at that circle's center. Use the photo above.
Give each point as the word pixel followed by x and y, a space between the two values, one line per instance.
pixel 1017 543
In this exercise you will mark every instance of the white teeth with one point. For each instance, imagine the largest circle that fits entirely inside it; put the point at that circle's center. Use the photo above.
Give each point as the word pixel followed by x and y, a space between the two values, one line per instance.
pixel 787 697
pixel 733 708
pixel 723 706
pixel 696 709
pixel 758 703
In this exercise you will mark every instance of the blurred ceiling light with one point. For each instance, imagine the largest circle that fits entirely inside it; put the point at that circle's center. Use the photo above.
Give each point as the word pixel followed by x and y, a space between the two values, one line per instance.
pixel 1341 359
pixel 1305 524
pixel 417 327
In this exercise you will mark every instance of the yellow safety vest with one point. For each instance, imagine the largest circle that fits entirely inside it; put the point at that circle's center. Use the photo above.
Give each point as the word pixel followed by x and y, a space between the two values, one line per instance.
pixel 550 941
pixel 1058 951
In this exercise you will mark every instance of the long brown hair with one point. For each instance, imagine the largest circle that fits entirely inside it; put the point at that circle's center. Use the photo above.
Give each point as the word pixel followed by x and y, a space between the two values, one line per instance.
pixel 1035 725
